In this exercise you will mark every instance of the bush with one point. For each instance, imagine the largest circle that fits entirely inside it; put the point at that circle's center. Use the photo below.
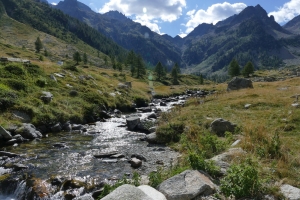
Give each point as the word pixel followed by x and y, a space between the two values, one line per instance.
pixel 12 71
pixel 241 181
pixel 198 162
pixel 41 83
pixel 16 84
pixel 34 70
pixel 7 99
pixel 170 132
pixel 155 178
pixel 140 101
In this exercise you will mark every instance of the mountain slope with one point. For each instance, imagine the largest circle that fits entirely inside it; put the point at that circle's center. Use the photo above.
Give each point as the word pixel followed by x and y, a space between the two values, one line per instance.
pixel 293 25
pixel 130 35
pixel 52 21
pixel 248 36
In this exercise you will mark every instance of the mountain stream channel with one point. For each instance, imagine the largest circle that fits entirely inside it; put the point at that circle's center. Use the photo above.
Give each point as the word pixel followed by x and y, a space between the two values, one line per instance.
pixel 56 172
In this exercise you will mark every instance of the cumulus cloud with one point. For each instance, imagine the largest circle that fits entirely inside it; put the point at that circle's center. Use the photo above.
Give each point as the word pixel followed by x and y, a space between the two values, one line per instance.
pixel 287 12
pixel 54 4
pixel 213 14
pixel 147 12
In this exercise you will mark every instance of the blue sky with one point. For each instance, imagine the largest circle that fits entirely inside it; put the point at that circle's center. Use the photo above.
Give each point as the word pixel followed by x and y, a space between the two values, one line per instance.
pixel 180 17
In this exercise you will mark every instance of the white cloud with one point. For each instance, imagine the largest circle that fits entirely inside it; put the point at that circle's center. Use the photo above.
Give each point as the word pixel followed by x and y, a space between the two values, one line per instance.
pixel 54 4
pixel 287 12
pixel 213 14
pixel 147 12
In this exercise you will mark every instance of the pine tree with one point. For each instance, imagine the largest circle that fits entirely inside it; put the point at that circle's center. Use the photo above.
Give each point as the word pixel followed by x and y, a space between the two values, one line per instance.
pixel 38 45
pixel 174 74
pixel 140 67
pixel 77 57
pixel 160 71
pixel 248 69
pixel 201 79
pixel 85 59
pixel 177 68
pixel 234 68
pixel 105 60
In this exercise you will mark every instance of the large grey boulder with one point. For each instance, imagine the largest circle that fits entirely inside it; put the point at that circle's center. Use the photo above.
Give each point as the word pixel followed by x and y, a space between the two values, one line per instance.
pixel 220 126
pixel 239 83
pixel 151 192
pixel 290 192
pixel 127 192
pixel 187 185
pixel 5 134
pixel 132 122
pixel 28 131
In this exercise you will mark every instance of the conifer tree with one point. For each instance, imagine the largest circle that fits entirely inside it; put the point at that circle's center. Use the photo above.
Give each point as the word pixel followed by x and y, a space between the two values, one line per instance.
pixel 159 71
pixel 234 68
pixel 38 45
pixel 248 69
pixel 77 57
pixel 174 74
pixel 85 59
pixel 201 79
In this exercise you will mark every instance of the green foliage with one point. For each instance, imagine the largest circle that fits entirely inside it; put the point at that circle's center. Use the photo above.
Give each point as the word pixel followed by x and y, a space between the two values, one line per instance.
pixel 174 74
pixel 159 71
pixel 7 99
pixel 211 144
pixel 275 146
pixel 155 178
pixel 248 69
pixel 140 67
pixel 141 101
pixel 41 82
pixel 41 58
pixel 85 58
pixel 201 80
pixel 234 68
pixel 12 70
pixel 16 84
pixel 170 132
pixel 77 57
pixel 198 162
pixel 38 45
pixel 34 70
pixel 54 22
pixel 242 180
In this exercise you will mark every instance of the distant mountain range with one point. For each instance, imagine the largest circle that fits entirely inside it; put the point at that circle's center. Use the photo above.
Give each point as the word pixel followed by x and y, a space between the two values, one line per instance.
pixel 248 36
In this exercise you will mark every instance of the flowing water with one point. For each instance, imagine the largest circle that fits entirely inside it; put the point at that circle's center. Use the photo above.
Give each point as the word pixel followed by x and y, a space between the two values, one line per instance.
pixel 76 159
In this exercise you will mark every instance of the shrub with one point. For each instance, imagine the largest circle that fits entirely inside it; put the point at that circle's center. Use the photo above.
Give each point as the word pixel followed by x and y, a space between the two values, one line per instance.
pixel 41 83
pixel 16 84
pixel 140 101
pixel 198 162
pixel 170 132
pixel 242 180
pixel 155 178
pixel 34 70
pixel 7 99
pixel 12 71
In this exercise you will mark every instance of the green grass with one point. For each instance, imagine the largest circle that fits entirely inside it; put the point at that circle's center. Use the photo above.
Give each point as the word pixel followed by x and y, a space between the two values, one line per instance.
pixel 269 128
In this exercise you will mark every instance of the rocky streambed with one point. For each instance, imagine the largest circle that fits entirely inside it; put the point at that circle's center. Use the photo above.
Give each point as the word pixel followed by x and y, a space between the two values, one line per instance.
pixel 70 164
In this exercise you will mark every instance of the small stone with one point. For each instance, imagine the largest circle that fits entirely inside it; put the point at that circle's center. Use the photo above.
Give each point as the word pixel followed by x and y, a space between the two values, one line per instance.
pixel 135 163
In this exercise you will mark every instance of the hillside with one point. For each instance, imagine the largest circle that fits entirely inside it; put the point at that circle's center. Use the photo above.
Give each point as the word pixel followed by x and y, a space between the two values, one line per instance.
pixel 125 32
pixel 208 49
pixel 52 21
